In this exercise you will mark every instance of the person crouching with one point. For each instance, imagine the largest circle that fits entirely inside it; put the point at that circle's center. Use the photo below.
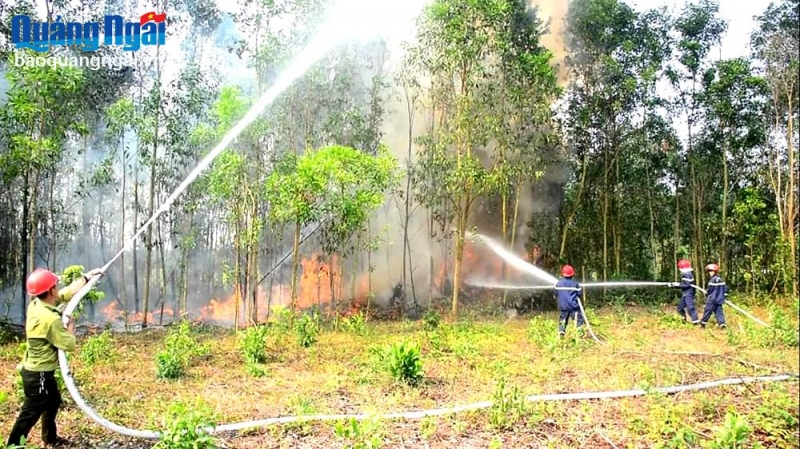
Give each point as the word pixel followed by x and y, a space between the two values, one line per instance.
pixel 568 292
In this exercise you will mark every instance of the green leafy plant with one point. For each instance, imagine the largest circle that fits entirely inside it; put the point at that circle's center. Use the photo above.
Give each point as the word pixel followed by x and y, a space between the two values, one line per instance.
pixel 733 434
pixel 73 273
pixel 360 435
pixel 98 349
pixel 307 329
pixel 184 427
pixel 180 348
pixel 402 361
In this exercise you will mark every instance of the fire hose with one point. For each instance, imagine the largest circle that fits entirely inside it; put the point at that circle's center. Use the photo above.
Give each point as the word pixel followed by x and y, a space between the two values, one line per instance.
pixel 620 284
pixel 232 427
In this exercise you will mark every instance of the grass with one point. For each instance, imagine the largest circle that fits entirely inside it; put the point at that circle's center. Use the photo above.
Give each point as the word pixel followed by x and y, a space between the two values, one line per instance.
pixel 353 367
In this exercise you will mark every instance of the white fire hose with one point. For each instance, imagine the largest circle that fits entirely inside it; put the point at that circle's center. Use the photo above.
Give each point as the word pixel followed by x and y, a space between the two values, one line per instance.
pixel 149 434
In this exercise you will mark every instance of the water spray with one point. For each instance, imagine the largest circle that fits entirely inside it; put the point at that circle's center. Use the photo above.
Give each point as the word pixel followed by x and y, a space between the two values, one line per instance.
pixel 523 265
pixel 515 260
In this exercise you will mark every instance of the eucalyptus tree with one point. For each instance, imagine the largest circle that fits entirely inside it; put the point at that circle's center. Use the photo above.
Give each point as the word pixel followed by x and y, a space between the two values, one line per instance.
pixel 37 121
pixel 698 29
pixel 336 186
pixel 616 59
pixel 456 42
pixel 776 46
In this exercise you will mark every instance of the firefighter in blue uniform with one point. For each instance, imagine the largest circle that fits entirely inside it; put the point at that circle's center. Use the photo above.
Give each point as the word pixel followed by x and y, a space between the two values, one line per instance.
pixel 687 302
pixel 715 298
pixel 568 292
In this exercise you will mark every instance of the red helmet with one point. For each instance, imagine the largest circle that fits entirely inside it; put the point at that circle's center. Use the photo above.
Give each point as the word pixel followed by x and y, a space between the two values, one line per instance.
pixel 683 264
pixel 40 281
pixel 712 267
pixel 567 271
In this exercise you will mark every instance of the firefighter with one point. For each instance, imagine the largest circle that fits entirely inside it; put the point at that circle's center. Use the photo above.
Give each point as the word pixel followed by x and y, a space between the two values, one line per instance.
pixel 686 304
pixel 717 291
pixel 568 292
pixel 45 334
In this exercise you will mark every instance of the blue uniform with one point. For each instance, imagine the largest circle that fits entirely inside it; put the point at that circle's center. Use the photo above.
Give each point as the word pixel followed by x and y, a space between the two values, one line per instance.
pixel 717 291
pixel 686 303
pixel 568 292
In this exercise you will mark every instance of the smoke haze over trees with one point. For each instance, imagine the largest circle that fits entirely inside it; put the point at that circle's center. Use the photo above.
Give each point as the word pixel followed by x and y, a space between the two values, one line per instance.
pixel 640 148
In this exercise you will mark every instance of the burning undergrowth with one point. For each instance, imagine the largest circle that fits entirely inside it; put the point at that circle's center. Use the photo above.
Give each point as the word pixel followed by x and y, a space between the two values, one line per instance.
pixel 325 282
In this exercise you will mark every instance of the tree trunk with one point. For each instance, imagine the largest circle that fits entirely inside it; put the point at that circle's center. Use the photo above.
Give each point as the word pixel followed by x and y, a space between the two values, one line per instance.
pixel 568 219
pixel 723 251
pixel 791 210
pixel 52 223
pixel 461 230
pixel 33 221
pixel 504 227
pixel 163 275
pixel 153 186
pixel 295 263
pixel 24 228
pixel 237 279
pixel 123 285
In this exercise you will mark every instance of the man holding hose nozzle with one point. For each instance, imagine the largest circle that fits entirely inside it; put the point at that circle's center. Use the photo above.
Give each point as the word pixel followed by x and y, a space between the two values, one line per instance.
pixel 715 298
pixel 45 334
pixel 686 285
pixel 568 292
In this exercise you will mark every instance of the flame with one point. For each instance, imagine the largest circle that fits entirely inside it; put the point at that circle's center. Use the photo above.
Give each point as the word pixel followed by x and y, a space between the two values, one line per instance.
pixel 319 283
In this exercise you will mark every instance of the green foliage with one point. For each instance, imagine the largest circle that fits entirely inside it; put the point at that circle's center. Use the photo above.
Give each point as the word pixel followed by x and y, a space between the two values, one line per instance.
pixel 367 434
pixel 431 319
pixel 99 349
pixel 356 323
pixel 339 184
pixel 733 434
pixel 782 332
pixel 508 406
pixel 73 273
pixel 253 343
pixel 184 427
pixel 180 349
pixel 402 361
pixel 307 329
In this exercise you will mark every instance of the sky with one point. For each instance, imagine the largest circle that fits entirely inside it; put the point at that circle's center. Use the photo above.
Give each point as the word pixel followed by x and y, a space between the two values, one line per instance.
pixel 738 14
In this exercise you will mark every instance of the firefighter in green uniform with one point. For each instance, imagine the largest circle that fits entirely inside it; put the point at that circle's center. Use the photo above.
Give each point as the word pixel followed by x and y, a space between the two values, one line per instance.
pixel 45 334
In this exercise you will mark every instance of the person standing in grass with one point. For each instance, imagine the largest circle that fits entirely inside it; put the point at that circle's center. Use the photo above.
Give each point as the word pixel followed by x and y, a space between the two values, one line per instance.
pixel 45 334
pixel 568 292
pixel 717 291
pixel 687 302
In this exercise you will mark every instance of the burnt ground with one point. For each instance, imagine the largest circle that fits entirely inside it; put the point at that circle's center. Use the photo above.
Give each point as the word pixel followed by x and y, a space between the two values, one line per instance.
pixel 463 363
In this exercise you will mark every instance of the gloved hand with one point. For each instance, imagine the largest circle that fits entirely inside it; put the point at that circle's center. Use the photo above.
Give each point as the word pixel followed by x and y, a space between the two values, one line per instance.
pixel 94 272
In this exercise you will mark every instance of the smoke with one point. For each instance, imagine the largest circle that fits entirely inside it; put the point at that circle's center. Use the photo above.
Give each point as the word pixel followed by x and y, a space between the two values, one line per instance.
pixel 553 14
pixel 96 241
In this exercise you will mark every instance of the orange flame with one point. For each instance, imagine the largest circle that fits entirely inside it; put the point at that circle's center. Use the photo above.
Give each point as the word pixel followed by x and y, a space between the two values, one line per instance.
pixel 319 283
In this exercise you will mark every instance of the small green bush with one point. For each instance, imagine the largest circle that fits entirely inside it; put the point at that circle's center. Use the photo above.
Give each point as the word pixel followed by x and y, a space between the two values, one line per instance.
pixel 307 329
pixel 180 348
pixel 184 427
pixel 98 349
pixel 402 361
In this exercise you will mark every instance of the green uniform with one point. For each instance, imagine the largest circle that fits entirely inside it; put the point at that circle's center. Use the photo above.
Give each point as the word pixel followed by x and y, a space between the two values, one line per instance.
pixel 46 333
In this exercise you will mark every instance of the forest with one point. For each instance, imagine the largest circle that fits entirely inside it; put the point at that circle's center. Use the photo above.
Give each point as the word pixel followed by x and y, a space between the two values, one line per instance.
pixel 330 245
